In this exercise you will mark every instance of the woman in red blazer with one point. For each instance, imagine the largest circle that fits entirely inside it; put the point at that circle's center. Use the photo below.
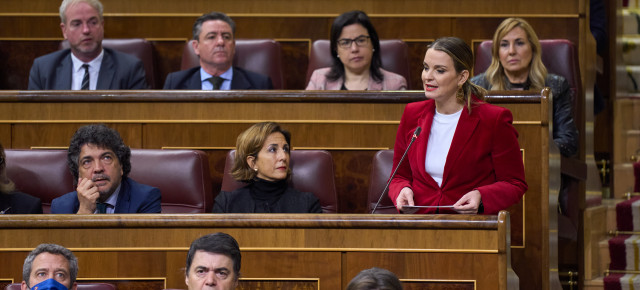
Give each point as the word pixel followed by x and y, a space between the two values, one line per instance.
pixel 467 159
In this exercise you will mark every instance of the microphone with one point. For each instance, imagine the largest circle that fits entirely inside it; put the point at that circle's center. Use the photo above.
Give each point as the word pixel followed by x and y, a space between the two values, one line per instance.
pixel 413 138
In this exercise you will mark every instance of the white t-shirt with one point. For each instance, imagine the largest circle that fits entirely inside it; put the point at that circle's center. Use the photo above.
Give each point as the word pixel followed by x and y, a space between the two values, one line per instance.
pixel 440 137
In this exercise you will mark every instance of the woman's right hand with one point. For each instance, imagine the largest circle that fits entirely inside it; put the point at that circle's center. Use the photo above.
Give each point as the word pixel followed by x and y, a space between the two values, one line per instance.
pixel 405 198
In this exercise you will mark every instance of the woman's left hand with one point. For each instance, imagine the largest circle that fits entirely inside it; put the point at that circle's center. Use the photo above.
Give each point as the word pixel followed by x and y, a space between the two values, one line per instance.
pixel 468 203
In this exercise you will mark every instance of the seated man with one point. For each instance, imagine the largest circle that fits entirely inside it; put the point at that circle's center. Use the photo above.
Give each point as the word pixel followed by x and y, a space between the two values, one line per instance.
pixel 86 65
pixel 215 44
pixel 50 266
pixel 213 261
pixel 100 162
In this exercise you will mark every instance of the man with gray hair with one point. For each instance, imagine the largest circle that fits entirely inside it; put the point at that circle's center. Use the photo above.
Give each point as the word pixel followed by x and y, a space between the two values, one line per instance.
pixel 50 266
pixel 86 65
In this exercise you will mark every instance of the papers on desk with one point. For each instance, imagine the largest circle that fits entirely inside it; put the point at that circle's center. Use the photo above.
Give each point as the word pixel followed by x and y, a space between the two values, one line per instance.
pixel 426 206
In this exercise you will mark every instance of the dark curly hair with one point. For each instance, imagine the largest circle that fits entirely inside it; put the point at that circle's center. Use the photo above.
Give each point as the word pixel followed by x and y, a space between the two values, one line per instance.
pixel 103 137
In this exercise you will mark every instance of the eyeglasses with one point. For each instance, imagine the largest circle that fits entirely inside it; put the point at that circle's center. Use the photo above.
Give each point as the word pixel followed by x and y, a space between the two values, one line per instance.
pixel 360 41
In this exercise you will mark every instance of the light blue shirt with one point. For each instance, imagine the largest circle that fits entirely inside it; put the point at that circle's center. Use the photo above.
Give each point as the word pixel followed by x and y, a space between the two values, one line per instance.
pixel 226 84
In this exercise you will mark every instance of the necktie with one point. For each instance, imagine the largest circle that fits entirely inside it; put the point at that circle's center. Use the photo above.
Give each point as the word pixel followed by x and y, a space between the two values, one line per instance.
pixel 102 207
pixel 216 82
pixel 85 79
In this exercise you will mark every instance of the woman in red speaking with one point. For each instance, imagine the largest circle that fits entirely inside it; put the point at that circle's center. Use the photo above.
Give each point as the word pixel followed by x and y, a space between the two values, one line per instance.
pixel 467 159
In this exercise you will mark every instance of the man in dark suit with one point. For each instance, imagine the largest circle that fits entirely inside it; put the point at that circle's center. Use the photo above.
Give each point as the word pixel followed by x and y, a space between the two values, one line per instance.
pixel 214 35
pixel 86 65
pixel 100 163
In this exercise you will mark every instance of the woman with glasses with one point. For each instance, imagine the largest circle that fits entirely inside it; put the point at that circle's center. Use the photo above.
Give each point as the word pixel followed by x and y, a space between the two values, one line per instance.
pixel 12 201
pixel 355 50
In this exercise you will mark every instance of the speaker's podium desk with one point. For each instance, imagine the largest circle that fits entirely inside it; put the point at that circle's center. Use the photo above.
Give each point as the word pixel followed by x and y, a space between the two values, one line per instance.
pixel 279 251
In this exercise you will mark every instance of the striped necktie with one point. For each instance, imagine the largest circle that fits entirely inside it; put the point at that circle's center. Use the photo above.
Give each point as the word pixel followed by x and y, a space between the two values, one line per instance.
pixel 85 79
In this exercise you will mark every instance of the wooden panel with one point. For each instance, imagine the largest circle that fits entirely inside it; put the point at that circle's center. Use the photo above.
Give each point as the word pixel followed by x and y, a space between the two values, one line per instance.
pixel 351 125
pixel 317 6
pixel 626 142
pixel 323 249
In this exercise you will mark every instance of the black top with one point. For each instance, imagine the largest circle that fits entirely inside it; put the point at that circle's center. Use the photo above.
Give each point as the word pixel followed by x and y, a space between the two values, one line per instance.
pixel 565 133
pixel 19 203
pixel 262 196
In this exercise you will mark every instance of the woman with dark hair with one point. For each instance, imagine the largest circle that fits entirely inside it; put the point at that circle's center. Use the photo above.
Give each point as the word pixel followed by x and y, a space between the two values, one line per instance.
pixel 355 51
pixel 467 160
pixel 11 201
pixel 262 160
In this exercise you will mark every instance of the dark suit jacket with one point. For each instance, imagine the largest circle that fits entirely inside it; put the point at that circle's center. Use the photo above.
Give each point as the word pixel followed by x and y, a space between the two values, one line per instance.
pixel 240 201
pixel 189 79
pixel 19 203
pixel 118 71
pixel 133 198
pixel 484 155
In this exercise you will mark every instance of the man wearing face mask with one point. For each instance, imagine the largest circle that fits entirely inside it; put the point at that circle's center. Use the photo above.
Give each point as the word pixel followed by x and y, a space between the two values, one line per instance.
pixel 49 267
pixel 100 163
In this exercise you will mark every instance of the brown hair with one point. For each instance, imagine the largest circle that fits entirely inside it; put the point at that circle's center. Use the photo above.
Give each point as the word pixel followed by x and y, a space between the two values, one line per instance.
pixel 462 58
pixel 249 143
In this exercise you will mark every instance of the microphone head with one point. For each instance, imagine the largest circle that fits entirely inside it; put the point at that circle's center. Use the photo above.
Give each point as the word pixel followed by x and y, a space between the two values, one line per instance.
pixel 417 131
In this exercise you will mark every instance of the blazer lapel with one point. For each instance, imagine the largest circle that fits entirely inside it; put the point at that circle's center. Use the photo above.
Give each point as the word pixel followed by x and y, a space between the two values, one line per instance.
pixel 373 85
pixel 421 143
pixel 194 82
pixel 466 125
pixel 107 70
pixel 239 81
pixel 64 73
pixel 124 198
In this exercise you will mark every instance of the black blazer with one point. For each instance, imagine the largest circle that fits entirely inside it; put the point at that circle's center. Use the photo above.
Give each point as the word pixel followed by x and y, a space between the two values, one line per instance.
pixel 291 201
pixel 118 71
pixel 19 203
pixel 190 79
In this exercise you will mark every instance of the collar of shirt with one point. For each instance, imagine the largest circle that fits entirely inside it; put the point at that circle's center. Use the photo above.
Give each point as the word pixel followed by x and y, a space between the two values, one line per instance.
pixel 78 71
pixel 112 200
pixel 226 84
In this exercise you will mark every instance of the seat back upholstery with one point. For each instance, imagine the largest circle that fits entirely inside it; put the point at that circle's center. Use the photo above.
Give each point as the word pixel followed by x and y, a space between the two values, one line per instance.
pixel 380 173
pixel 394 54
pixel 559 56
pixel 257 55
pixel 312 171
pixel 81 286
pixel 181 175
pixel 138 47
pixel 41 173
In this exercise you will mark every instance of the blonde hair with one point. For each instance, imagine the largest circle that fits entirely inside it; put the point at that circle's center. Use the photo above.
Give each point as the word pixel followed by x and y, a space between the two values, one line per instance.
pixel 462 58
pixel 537 71
pixel 249 143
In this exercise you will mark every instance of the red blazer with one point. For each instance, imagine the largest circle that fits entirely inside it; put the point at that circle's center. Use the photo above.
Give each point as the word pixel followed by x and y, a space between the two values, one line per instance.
pixel 484 155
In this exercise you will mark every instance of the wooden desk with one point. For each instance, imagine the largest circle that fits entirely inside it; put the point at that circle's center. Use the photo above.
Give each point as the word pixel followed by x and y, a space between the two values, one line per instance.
pixel 305 250
pixel 351 125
